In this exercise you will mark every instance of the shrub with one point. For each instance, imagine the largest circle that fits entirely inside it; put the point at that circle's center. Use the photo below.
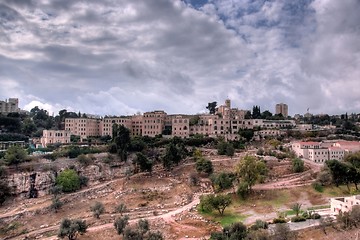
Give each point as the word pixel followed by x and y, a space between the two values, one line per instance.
pixel 243 190
pixel 317 186
pixel 83 181
pixel 279 220
pixel 121 208
pixel 56 204
pixel 68 180
pixel 70 228
pixel 298 165
pixel 97 209
pixel 84 160
pixel 298 219
pixel 203 165
pixel 120 224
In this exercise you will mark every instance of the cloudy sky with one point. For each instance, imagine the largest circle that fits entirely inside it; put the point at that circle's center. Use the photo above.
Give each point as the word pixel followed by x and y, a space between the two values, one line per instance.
pixel 126 56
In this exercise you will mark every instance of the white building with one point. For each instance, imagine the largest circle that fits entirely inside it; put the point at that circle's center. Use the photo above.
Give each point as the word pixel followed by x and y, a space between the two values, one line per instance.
pixel 344 204
pixel 55 136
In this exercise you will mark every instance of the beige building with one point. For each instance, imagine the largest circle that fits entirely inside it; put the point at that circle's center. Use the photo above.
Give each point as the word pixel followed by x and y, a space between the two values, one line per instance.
pixel 9 106
pixel 55 136
pixel 281 108
pixel 180 126
pixel 136 125
pixel 153 123
pixel 343 204
pixel 83 127
pixel 107 124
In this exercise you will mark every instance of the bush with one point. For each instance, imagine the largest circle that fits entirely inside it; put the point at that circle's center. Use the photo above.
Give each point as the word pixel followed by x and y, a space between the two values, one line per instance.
pixel 121 208
pixel 203 165
pixel 83 181
pixel 97 209
pixel 68 180
pixel 120 224
pixel 279 220
pixel 56 204
pixel 317 186
pixel 298 165
pixel 243 190
pixel 259 224
pixel 298 219
pixel 70 228
pixel 84 160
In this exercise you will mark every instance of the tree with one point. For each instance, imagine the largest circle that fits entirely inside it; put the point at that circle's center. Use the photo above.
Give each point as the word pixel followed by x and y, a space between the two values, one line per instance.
pixel 121 208
pixel 5 191
pixel 247 134
pixel 220 202
pixel 120 224
pixel 71 228
pixel 143 226
pixel 256 113
pixel 235 231
pixel 230 150
pixel 212 107
pixel 155 236
pixel 15 155
pixel 172 156
pixel 143 162
pixel 121 137
pixel 56 204
pixel 222 180
pixel 266 114
pixel 296 208
pixel 250 169
pixel 68 180
pixel 298 165
pixel 248 115
pixel 132 234
pixel 221 148
pixel 353 159
pixel 282 232
pixel 204 165
pixel 97 209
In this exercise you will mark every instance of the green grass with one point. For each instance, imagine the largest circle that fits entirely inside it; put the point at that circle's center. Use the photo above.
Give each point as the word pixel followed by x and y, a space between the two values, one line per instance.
pixel 319 207
pixel 333 191
pixel 292 212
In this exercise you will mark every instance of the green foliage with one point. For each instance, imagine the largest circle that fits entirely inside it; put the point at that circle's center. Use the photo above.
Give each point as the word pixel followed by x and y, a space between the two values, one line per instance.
pixel 296 208
pixel 155 236
pixel 353 159
pixel 250 169
pixel 243 190
pixel 15 155
pixel 204 166
pixel 120 224
pixel 259 224
pixel 212 107
pixel 221 148
pixel 84 160
pixel 121 208
pixel 121 137
pixel 223 180
pixel 298 219
pixel 70 228
pixel 68 180
pixel 298 165
pixel 235 231
pixel 247 134
pixel 132 234
pixel 317 186
pixel 143 162
pixel 137 145
pixel 12 136
pixel 324 178
pixel 143 226
pixel 97 208
pixel 279 220
pixel 56 204
pixel 219 202
pixel 173 155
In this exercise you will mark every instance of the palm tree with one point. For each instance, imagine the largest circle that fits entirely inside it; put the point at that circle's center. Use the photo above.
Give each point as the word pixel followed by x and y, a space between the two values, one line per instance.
pixel 296 208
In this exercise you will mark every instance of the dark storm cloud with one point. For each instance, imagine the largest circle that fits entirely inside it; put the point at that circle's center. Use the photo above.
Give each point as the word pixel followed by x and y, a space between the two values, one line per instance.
pixel 142 55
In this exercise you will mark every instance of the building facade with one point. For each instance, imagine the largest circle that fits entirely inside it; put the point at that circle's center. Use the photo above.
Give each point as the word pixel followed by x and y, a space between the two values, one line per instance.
pixel 9 106
pixel 55 136
pixel 282 108
pixel 83 127
pixel 153 123
pixel 344 204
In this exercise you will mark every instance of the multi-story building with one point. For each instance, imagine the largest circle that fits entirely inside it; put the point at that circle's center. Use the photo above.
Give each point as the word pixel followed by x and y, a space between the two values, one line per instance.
pixel 83 127
pixel 282 108
pixel 180 126
pixel 136 125
pixel 343 204
pixel 9 106
pixel 153 123
pixel 319 152
pixel 55 136
pixel 107 124
pixel 4 145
